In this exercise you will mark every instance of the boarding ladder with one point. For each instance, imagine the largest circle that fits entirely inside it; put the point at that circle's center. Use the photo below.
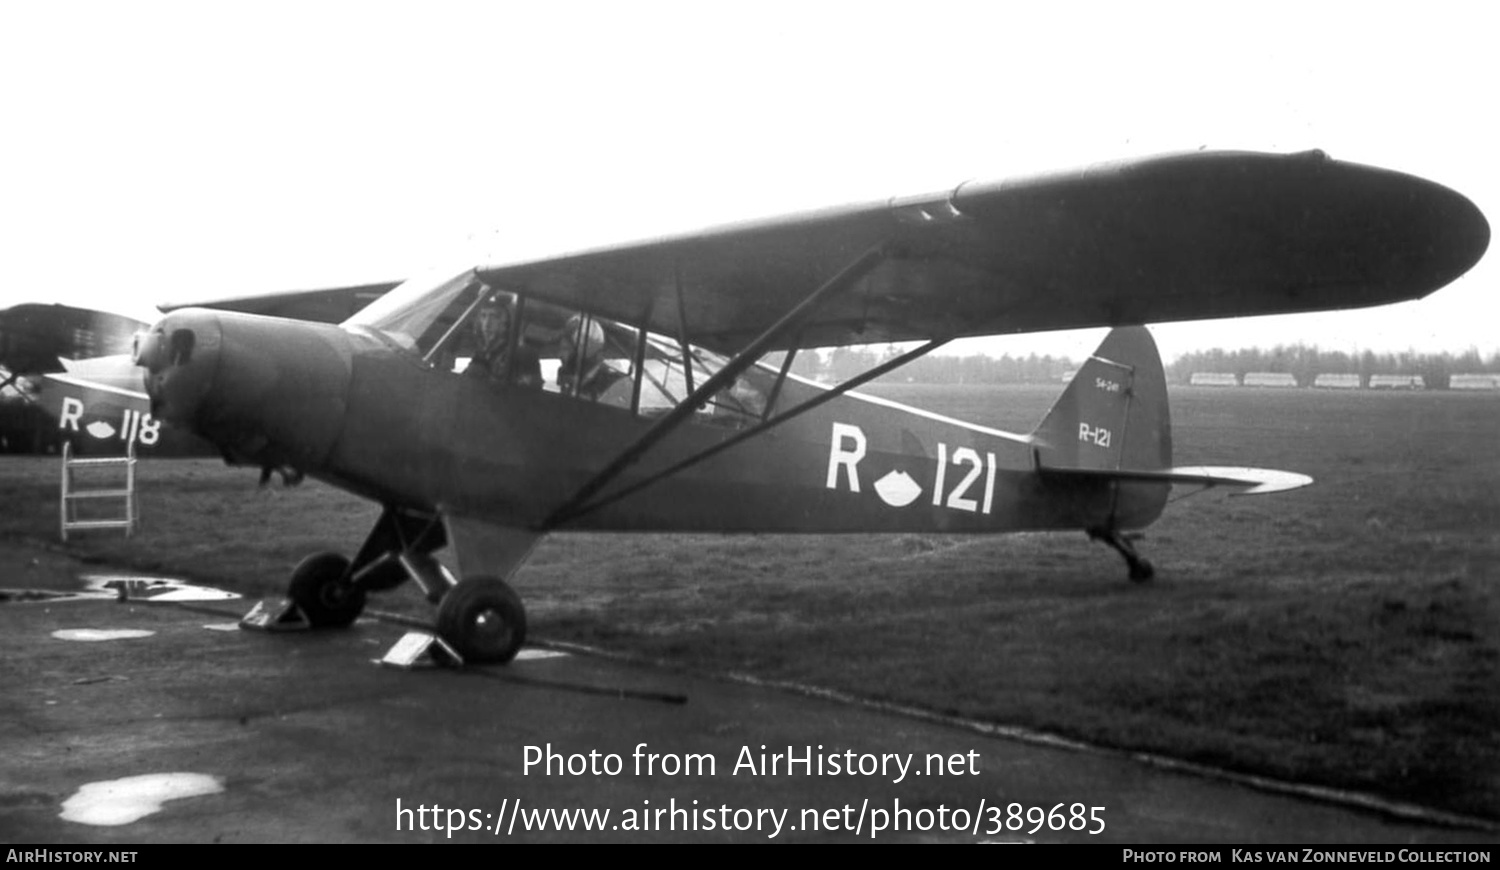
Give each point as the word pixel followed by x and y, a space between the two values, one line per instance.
pixel 73 492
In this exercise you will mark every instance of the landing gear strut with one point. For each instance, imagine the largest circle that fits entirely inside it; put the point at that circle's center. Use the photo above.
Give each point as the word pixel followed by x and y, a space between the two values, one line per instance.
pixel 481 617
pixel 1140 569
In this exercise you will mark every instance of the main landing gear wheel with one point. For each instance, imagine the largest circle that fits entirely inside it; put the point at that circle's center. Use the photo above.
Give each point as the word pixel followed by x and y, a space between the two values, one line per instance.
pixel 320 586
pixel 483 619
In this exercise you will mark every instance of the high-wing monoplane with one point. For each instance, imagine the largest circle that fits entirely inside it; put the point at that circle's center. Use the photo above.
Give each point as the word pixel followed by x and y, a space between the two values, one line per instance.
pixel 648 386
pixel 41 338
pixel 66 374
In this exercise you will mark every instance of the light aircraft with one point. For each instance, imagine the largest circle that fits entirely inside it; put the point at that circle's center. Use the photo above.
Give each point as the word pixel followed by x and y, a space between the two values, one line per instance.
pixel 647 386
pixel 41 338
pixel 94 395
pixel 66 374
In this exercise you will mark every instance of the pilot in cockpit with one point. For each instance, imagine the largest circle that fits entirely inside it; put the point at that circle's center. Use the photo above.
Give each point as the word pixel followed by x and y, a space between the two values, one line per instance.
pixel 583 372
pixel 495 356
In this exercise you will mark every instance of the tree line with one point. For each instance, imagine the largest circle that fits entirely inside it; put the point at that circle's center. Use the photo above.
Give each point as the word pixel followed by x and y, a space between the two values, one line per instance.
pixel 1303 362
pixel 841 363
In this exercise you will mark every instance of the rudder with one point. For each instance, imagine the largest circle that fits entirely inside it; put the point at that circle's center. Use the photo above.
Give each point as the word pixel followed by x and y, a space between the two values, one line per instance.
pixel 1113 414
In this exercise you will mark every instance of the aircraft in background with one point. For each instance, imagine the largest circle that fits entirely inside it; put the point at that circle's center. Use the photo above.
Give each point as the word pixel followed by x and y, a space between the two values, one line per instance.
pixel 68 373
pixel 647 386
pixel 42 338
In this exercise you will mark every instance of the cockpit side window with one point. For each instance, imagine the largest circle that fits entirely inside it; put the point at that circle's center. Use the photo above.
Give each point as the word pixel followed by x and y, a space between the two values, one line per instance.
pixel 669 376
pixel 461 324
pixel 598 360
pixel 579 355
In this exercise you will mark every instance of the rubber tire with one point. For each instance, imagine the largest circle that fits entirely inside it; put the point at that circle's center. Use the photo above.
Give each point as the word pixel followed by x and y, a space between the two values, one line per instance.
pixel 326 598
pixel 482 618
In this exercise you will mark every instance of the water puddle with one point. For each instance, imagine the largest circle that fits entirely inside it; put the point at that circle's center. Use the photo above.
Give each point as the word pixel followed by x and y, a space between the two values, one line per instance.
pixel 529 654
pixel 138 587
pixel 91 635
pixel 122 587
pixel 122 801
pixel 33 595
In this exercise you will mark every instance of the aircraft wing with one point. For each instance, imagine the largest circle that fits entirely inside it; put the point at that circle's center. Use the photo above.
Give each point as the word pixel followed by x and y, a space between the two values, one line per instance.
pixel 1182 237
pixel 38 337
pixel 327 305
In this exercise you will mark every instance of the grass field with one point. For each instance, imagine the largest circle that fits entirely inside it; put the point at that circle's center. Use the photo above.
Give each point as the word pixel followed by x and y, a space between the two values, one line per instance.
pixel 1346 634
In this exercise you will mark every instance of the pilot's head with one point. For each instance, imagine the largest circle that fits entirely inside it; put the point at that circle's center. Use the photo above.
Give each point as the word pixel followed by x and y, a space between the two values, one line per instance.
pixel 592 339
pixel 492 320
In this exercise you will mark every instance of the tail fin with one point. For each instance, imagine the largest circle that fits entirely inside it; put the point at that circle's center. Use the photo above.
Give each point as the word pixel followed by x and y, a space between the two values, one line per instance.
pixel 1108 440
pixel 1110 424
pixel 1113 415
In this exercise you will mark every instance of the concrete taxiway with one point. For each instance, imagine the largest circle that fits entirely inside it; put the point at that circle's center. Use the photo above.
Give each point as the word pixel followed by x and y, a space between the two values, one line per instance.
pixel 299 737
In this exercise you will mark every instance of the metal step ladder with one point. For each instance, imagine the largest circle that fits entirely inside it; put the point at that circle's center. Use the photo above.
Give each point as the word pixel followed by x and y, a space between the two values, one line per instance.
pixel 73 492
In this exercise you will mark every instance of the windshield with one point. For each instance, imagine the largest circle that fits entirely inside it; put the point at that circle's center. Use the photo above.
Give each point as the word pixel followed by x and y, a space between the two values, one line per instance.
pixel 412 310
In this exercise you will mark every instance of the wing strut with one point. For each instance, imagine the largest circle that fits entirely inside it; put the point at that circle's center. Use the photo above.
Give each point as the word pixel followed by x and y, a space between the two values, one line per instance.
pixel 796 411
pixel 638 362
pixel 741 361
pixel 682 327
pixel 786 368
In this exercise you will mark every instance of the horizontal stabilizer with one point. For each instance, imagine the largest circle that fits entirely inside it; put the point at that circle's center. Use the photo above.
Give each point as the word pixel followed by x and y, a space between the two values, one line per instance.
pixel 106 372
pixel 69 383
pixel 1248 481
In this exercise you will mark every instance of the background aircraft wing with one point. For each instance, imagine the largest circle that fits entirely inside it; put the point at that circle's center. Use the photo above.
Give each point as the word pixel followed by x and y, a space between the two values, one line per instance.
pixel 328 305
pixel 1180 237
pixel 38 337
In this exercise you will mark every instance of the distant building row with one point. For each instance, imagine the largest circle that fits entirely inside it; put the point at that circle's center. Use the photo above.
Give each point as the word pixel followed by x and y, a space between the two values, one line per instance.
pixel 1343 382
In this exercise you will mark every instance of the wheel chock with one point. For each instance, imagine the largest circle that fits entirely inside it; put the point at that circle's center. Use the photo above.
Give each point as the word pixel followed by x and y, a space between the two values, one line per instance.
pixel 421 649
pixel 281 614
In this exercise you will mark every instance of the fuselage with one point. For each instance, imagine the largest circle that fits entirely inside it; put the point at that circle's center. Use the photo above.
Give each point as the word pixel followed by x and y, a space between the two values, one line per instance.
pixel 352 408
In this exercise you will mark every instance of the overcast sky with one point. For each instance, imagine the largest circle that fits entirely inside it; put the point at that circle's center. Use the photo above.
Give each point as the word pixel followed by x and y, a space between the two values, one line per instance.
pixel 173 151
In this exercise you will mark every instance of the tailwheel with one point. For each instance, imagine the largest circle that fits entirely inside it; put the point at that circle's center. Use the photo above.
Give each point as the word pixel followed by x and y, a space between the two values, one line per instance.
pixel 483 619
pixel 1140 569
pixel 322 588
